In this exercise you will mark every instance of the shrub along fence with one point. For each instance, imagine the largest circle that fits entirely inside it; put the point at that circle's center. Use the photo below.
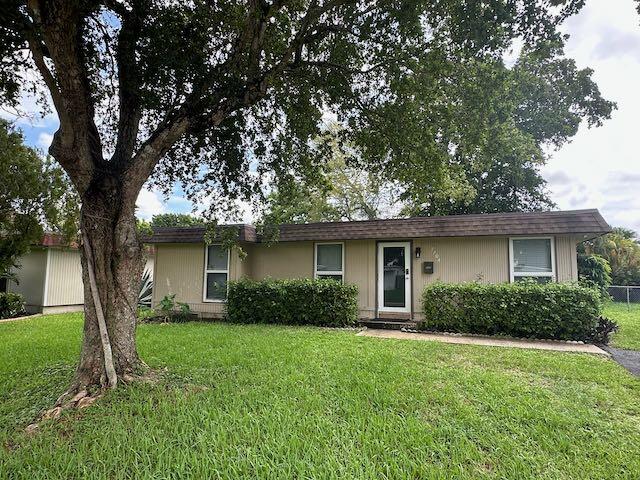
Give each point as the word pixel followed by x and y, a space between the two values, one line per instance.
pixel 11 305
pixel 522 309
pixel 293 302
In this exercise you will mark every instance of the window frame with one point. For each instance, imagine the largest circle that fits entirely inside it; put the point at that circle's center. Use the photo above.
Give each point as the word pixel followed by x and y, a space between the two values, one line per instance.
pixel 208 271
pixel 513 274
pixel 319 274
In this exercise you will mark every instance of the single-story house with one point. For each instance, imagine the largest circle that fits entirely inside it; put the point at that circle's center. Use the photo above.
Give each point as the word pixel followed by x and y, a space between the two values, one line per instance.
pixel 50 276
pixel 389 260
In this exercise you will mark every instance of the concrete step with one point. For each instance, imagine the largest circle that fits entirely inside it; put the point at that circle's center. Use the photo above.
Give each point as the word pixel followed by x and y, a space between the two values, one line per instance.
pixel 387 324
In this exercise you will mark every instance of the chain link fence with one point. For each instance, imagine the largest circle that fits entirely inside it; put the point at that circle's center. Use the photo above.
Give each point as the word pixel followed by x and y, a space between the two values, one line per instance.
pixel 623 293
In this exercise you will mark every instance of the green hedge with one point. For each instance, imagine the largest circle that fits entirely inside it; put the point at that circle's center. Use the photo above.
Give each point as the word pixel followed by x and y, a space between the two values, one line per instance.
pixel 522 309
pixel 293 302
pixel 11 305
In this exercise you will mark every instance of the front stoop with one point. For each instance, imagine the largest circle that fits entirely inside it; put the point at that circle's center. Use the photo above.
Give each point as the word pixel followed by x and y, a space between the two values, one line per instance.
pixel 388 324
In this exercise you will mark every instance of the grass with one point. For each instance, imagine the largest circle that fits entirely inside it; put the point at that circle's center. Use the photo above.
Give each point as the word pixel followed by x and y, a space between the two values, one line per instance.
pixel 629 320
pixel 287 402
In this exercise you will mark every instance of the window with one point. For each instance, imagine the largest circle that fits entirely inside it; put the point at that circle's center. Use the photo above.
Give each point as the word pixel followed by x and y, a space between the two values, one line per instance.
pixel 532 258
pixel 329 261
pixel 216 273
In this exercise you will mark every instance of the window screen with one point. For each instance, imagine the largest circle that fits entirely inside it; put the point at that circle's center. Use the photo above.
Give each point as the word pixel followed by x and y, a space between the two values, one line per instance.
pixel 532 255
pixel 329 261
pixel 216 273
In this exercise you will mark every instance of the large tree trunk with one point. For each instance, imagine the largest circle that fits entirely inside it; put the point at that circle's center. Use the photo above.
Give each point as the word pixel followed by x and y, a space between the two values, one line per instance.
pixel 108 224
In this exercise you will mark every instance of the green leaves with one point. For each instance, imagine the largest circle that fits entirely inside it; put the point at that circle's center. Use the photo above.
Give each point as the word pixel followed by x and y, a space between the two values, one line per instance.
pixel 11 305
pixel 35 194
pixel 523 309
pixel 293 302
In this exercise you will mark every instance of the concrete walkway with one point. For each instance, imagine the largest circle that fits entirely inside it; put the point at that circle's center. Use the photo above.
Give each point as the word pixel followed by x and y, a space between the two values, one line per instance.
pixel 487 341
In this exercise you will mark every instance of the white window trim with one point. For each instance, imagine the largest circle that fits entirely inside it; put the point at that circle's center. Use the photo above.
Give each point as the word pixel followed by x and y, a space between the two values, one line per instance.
pixel 551 274
pixel 327 272
pixel 207 271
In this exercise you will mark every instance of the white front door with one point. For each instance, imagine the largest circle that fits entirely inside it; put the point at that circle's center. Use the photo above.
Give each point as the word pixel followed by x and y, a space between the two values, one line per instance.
pixel 394 277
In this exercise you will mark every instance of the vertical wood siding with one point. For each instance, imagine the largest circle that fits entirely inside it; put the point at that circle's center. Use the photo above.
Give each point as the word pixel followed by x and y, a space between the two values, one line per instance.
pixel 179 270
pixel 360 269
pixel 282 260
pixel 31 277
pixel 566 259
pixel 65 285
pixel 455 260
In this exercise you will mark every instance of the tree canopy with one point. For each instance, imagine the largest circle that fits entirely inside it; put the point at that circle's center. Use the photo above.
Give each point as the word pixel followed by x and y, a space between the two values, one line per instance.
pixel 35 195
pixel 421 87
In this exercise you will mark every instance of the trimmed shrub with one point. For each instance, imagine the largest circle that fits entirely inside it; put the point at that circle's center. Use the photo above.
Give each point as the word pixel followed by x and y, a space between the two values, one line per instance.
pixel 523 309
pixel 11 305
pixel 293 302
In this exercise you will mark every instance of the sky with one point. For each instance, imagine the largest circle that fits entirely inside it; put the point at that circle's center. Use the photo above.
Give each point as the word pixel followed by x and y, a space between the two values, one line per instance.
pixel 599 168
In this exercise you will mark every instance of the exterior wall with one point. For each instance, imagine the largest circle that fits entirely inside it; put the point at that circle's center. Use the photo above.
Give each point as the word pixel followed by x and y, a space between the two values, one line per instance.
pixel 64 281
pixel 281 260
pixel 566 259
pixel 456 260
pixel 179 270
pixel 31 277
pixel 360 269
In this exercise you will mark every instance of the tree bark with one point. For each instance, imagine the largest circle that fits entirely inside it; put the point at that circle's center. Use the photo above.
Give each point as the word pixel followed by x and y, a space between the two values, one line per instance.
pixel 108 223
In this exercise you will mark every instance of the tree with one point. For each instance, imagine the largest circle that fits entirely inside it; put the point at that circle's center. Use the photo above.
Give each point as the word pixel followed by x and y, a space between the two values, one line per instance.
pixel 594 271
pixel 621 250
pixel 224 96
pixel 536 104
pixel 35 195
pixel 339 193
pixel 176 220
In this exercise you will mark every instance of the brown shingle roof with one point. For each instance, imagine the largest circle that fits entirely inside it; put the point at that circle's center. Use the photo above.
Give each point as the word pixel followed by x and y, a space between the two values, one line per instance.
pixel 246 233
pixel 588 222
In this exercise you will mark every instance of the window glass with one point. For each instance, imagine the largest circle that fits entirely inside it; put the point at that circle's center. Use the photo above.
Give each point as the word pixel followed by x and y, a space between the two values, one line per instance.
pixel 532 255
pixel 217 258
pixel 216 286
pixel 329 258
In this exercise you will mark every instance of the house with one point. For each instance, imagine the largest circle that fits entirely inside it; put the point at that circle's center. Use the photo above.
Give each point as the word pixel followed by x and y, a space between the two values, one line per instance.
pixel 389 260
pixel 50 276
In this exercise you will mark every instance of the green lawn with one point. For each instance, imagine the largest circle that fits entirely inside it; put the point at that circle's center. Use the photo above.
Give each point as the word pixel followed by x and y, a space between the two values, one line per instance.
pixel 286 402
pixel 629 319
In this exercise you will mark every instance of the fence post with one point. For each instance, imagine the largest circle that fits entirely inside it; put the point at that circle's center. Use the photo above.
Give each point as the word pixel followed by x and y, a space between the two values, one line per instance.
pixel 628 303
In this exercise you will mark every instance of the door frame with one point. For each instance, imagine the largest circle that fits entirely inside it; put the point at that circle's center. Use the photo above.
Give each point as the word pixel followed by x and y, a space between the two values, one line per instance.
pixel 407 309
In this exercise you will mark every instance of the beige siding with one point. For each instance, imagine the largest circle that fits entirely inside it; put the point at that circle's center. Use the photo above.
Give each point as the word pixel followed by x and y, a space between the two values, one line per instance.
pixel 179 270
pixel 566 259
pixel 64 280
pixel 360 269
pixel 282 260
pixel 31 277
pixel 455 260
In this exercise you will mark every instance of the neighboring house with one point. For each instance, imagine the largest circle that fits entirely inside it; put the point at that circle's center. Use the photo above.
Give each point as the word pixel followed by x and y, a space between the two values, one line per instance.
pixel 389 260
pixel 50 276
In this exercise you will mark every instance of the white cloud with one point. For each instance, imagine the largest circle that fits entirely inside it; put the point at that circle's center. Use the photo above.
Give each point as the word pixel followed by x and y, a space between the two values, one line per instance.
pixel 44 140
pixel 149 203
pixel 600 168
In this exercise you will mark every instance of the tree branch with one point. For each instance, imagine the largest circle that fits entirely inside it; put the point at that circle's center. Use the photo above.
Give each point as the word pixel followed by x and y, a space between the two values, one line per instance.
pixel 128 86
pixel 76 144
